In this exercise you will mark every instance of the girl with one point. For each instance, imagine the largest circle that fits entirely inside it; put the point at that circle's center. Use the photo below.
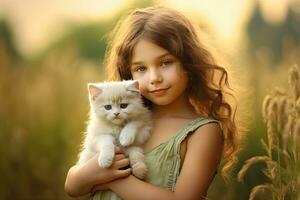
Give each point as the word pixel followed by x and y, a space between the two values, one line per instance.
pixel 194 123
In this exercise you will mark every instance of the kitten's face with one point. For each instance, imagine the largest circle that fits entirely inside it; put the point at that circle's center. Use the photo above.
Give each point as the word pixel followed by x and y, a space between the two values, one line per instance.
pixel 115 101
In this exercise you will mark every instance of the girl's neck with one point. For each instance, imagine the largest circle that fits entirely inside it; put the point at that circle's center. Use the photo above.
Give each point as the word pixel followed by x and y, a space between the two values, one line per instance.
pixel 180 108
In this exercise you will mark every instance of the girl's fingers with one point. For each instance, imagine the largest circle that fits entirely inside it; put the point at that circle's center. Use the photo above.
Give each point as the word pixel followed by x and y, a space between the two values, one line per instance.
pixel 118 150
pixel 122 163
pixel 119 157
pixel 122 173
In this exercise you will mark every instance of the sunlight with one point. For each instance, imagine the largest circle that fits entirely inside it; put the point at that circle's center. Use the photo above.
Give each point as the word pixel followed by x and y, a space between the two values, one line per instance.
pixel 33 20
pixel 80 10
pixel 274 11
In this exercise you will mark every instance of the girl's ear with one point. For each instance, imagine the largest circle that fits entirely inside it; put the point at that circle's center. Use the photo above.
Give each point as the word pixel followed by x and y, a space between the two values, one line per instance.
pixel 133 86
pixel 94 90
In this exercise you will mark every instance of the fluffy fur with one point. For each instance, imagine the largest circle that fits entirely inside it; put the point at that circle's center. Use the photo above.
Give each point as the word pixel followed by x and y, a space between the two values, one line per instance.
pixel 117 117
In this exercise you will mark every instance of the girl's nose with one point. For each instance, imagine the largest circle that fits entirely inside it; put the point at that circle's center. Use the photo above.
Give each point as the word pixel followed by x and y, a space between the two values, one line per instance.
pixel 155 77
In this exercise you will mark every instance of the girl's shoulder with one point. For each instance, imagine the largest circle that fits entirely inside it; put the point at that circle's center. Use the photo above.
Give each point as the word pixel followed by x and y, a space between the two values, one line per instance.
pixel 205 129
pixel 196 127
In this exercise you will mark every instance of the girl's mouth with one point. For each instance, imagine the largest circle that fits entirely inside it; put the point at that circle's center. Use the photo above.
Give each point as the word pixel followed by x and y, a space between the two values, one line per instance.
pixel 159 91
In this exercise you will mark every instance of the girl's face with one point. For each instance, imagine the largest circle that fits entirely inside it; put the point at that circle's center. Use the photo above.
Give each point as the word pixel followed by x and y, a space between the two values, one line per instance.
pixel 161 76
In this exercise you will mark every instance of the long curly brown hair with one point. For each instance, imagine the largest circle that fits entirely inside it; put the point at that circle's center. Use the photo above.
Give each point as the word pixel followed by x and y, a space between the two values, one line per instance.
pixel 208 87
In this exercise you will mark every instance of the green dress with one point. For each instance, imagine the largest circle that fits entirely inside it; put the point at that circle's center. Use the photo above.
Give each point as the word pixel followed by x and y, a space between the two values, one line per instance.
pixel 163 161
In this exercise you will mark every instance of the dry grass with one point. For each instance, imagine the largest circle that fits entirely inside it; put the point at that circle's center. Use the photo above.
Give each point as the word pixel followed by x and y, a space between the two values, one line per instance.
pixel 43 106
pixel 281 113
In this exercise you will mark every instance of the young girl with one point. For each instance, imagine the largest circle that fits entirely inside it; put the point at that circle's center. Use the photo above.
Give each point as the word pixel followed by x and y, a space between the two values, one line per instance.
pixel 194 123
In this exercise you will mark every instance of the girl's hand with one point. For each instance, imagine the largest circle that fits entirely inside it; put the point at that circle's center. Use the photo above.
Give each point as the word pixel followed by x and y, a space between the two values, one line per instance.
pixel 117 164
pixel 119 168
pixel 81 179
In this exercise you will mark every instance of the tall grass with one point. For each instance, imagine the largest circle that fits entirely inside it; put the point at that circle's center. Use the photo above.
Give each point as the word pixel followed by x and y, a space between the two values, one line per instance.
pixel 43 107
pixel 281 113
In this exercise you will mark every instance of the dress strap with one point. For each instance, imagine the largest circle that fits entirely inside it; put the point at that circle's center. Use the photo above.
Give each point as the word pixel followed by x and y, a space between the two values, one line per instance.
pixel 193 126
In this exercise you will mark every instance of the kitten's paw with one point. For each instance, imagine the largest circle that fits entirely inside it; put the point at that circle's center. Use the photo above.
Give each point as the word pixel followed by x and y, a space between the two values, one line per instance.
pixel 139 170
pixel 105 161
pixel 126 138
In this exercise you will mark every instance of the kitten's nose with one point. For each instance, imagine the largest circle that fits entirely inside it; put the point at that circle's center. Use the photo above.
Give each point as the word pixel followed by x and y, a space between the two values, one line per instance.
pixel 116 114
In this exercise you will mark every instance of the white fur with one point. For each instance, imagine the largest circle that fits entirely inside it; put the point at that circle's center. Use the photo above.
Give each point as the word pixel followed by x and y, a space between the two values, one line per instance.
pixel 129 130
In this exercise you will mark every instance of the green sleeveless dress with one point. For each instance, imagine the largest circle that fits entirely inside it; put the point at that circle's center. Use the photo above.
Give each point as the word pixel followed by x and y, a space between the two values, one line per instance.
pixel 163 161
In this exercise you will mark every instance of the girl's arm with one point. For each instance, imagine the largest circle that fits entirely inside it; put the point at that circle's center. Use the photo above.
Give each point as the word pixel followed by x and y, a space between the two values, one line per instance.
pixel 81 179
pixel 204 149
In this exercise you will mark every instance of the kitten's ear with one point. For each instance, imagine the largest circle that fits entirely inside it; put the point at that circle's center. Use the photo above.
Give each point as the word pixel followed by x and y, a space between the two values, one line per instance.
pixel 94 91
pixel 133 86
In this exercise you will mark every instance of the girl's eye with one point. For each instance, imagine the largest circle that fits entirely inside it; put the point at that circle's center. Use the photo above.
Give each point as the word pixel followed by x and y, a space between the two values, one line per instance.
pixel 166 62
pixel 123 105
pixel 140 69
pixel 107 107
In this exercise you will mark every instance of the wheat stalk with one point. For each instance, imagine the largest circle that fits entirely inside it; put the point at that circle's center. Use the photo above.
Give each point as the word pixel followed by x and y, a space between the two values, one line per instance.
pixel 269 107
pixel 281 113
pixel 260 188
pixel 294 81
pixel 249 163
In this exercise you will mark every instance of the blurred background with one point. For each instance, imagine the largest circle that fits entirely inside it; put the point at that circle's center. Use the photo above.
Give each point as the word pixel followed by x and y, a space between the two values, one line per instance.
pixel 50 50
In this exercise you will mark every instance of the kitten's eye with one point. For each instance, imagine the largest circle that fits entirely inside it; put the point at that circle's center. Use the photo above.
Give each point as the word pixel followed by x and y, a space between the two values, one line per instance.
pixel 123 105
pixel 107 107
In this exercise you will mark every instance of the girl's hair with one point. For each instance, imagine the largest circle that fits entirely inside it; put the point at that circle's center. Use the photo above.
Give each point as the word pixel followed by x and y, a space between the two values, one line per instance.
pixel 208 86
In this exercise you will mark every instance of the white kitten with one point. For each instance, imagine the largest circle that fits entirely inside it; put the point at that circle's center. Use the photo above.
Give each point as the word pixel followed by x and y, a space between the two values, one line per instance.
pixel 117 117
